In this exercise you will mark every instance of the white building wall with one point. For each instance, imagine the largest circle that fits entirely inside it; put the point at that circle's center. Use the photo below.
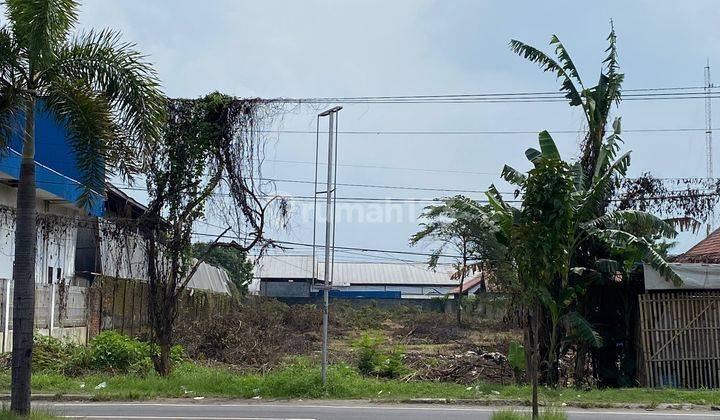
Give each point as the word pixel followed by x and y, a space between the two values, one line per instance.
pixel 56 247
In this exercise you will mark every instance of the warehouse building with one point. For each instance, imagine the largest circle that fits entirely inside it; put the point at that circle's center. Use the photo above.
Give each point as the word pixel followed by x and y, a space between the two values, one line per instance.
pixel 287 276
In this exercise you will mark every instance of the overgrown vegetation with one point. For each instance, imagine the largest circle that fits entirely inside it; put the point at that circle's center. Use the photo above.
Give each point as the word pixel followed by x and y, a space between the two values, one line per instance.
pixel 300 378
pixel 373 360
pixel 109 352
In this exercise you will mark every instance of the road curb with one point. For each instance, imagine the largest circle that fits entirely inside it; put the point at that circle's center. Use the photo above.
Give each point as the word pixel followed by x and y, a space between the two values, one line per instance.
pixel 574 404
pixel 55 397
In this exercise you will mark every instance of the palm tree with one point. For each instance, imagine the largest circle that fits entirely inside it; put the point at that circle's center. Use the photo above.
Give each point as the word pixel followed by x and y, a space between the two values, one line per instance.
pixel 106 95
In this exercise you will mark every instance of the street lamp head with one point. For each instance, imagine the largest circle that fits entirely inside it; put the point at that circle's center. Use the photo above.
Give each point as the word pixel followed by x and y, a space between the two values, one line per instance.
pixel 330 111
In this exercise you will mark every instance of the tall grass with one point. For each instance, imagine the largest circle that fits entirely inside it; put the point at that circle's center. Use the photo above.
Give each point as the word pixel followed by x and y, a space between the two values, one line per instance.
pixel 547 414
pixel 301 379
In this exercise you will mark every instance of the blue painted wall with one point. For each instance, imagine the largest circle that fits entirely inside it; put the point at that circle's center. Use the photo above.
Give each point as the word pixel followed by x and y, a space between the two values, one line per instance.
pixel 56 170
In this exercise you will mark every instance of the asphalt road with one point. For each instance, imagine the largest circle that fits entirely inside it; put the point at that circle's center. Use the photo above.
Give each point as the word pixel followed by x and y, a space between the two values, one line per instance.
pixel 223 410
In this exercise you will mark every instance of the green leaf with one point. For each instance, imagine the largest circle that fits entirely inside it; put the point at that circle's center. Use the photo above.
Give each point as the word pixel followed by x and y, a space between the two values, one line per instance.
pixel 512 175
pixel 547 146
pixel 533 155
pixel 607 266
pixel 41 26
pixel 549 65
pixel 582 329
pixel 650 256
pixel 516 355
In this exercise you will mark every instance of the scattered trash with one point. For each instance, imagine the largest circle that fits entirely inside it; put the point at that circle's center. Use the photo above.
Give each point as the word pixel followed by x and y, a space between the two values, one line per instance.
pixel 381 391
pixel 82 384
pixel 468 388
pixel 495 392
pixel 101 385
pixel 464 368
pixel 198 398
pixel 185 390
pixel 257 397
pixel 564 404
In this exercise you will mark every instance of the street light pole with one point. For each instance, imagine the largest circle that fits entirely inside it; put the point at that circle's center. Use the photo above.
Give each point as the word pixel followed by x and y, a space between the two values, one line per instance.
pixel 329 229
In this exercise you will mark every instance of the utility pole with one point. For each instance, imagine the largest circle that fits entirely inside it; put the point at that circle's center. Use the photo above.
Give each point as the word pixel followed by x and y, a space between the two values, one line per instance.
pixel 330 193
pixel 708 136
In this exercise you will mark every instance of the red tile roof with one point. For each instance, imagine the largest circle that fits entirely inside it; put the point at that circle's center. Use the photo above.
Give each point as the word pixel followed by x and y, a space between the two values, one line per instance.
pixel 468 285
pixel 705 251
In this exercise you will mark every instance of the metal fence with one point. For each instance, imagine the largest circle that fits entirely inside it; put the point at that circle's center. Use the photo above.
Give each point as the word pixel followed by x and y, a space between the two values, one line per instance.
pixel 680 334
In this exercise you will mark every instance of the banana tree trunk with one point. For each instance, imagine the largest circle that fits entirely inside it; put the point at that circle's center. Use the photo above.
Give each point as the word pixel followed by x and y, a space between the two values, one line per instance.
pixel 24 271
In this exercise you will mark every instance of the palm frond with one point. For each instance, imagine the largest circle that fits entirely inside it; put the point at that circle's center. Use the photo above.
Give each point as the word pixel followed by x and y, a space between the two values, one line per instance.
pixel 548 64
pixel 88 118
pixel 582 329
pixel 41 26
pixel 9 56
pixel 10 104
pixel 113 67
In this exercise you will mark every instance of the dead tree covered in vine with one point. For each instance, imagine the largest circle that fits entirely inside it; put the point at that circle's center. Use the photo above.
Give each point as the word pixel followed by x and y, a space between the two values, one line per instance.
pixel 209 150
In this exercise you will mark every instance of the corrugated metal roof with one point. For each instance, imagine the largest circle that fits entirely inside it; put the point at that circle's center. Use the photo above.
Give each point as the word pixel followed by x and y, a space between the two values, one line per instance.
pixel 285 266
pixel 347 273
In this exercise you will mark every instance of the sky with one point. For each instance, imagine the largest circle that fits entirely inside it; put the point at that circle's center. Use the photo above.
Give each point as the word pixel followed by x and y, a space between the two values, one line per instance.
pixel 365 48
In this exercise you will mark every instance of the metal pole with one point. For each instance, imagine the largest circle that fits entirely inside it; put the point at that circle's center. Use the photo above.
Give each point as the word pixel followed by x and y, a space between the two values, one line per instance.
pixel 315 194
pixel 328 239
pixel 6 327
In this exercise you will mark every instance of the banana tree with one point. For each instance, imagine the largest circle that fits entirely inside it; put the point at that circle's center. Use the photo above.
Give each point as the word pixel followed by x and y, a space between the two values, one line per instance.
pixel 627 228
pixel 595 101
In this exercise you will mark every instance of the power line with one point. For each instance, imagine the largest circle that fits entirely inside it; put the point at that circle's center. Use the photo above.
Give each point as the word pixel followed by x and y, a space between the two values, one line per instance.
pixel 478 132
pixel 480 99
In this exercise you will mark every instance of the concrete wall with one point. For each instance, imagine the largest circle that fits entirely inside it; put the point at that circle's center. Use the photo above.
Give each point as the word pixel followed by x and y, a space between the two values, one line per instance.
pixel 122 305
pixel 77 314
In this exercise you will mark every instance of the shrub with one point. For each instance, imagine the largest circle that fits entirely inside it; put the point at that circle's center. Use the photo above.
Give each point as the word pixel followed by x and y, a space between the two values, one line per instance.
pixel 50 354
pixel 113 351
pixel 371 359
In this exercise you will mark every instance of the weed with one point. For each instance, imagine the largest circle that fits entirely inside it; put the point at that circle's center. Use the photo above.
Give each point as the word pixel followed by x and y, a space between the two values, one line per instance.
pixel 371 359
pixel 548 414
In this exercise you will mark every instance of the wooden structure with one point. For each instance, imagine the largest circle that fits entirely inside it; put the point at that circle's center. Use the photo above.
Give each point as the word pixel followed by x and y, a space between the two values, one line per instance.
pixel 680 333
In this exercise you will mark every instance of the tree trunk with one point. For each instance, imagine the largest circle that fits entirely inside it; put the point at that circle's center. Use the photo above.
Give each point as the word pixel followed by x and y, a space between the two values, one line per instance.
pixel 162 361
pixel 24 271
pixel 462 283
pixel 533 321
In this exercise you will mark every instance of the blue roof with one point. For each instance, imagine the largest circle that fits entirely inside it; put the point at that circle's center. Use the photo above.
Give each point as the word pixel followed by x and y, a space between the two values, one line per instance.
pixel 56 168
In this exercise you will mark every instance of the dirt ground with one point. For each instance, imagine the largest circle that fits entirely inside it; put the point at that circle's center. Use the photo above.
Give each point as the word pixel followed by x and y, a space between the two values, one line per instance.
pixel 262 333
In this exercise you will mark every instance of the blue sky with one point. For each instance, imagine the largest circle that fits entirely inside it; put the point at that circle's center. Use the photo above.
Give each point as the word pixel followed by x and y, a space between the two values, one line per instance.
pixel 358 48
